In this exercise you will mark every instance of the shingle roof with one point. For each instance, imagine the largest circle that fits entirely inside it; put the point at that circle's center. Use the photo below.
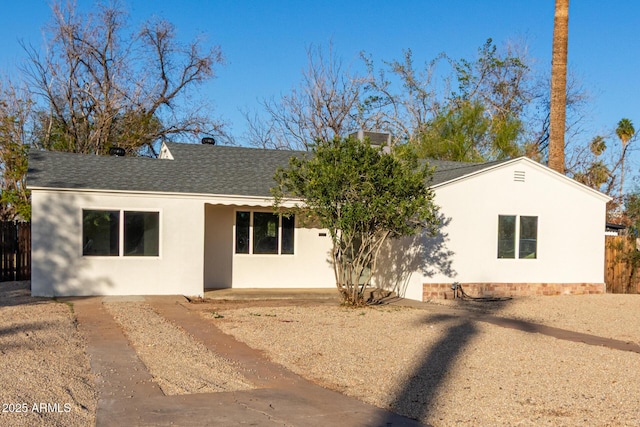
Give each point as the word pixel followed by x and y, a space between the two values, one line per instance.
pixel 447 171
pixel 196 169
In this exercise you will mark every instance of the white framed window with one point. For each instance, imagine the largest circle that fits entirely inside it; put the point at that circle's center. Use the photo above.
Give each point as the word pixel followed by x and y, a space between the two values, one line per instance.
pixel 129 233
pixel 517 236
pixel 259 232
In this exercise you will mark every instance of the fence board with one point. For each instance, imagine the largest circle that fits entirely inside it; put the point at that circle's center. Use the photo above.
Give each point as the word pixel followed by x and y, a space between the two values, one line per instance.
pixel 619 276
pixel 15 244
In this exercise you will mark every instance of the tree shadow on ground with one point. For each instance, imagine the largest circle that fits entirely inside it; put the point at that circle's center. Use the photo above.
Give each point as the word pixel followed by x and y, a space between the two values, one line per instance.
pixel 18 293
pixel 419 394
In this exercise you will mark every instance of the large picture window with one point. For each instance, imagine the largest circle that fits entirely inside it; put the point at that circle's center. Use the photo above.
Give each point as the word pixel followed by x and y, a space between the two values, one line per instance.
pixel 102 231
pixel 264 233
pixel 517 235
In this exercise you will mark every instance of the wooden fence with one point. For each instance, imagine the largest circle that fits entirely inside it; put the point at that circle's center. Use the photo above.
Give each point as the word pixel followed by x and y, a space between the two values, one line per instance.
pixel 15 246
pixel 619 275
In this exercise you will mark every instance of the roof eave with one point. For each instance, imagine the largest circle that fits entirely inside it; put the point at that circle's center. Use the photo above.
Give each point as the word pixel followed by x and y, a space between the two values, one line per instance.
pixel 224 199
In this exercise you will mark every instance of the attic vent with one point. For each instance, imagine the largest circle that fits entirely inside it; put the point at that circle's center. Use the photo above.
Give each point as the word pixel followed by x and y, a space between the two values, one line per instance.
pixel 518 176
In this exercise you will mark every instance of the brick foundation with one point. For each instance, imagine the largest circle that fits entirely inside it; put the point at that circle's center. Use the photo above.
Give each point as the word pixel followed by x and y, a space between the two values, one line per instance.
pixel 443 290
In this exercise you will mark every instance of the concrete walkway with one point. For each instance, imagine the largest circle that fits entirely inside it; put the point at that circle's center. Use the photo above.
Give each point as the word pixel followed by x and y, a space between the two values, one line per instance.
pixel 129 397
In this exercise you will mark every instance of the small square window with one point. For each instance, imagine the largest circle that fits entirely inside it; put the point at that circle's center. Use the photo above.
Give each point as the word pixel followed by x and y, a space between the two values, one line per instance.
pixel 517 234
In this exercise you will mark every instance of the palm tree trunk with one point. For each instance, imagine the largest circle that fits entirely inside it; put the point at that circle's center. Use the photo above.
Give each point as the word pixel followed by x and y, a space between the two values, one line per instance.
pixel 558 113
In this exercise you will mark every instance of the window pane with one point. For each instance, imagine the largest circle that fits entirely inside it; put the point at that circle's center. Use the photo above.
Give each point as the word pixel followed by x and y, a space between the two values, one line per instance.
pixel 100 235
pixel 528 244
pixel 141 233
pixel 506 236
pixel 288 226
pixel 242 232
pixel 265 233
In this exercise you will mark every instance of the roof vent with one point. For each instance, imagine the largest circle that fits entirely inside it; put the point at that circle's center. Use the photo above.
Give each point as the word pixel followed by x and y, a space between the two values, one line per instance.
pixel 208 140
pixel 518 176
pixel 116 151
pixel 376 139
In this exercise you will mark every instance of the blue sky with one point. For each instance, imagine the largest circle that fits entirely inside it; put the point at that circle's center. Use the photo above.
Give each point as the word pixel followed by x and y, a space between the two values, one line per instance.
pixel 264 42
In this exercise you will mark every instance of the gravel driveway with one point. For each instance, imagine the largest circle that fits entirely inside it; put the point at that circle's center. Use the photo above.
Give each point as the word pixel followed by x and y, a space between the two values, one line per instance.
pixel 434 365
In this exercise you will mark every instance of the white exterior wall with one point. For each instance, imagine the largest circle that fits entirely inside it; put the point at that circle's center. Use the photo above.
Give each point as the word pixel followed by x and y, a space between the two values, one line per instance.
pixel 571 222
pixel 58 267
pixel 218 246
pixel 308 267
pixel 196 249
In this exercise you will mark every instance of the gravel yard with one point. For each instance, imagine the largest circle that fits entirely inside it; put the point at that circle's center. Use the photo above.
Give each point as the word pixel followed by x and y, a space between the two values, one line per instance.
pixel 178 363
pixel 45 377
pixel 445 370
pixel 436 366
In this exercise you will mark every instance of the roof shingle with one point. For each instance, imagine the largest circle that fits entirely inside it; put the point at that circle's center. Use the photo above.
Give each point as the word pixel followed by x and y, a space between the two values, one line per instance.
pixel 196 169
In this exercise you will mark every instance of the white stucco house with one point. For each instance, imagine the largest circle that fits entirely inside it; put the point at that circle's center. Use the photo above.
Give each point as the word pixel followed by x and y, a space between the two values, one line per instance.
pixel 200 217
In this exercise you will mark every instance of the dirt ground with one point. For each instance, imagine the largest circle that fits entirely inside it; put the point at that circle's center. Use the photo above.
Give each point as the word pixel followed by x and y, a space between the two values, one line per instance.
pixel 436 365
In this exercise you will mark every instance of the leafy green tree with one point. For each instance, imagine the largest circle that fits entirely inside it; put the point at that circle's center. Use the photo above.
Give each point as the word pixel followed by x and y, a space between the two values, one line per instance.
pixel 15 111
pixel 363 196
pixel 466 133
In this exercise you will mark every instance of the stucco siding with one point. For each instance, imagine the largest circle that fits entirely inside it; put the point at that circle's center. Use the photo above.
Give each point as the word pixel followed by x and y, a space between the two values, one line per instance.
pixel 218 246
pixel 59 268
pixel 570 239
pixel 570 228
pixel 308 267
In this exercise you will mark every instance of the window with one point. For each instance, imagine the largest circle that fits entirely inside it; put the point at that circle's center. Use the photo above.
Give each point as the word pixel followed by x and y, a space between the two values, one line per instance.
pixel 242 232
pixel 288 225
pixel 264 233
pixel 102 231
pixel 141 232
pixel 520 230
pixel 528 242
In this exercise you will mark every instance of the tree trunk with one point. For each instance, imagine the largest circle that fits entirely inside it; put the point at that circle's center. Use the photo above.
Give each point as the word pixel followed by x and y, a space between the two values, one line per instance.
pixel 558 111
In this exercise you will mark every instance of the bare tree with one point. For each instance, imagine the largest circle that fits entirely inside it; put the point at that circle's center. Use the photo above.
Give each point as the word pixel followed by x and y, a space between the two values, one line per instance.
pixel 404 111
pixel 538 119
pixel 326 104
pixel 101 87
